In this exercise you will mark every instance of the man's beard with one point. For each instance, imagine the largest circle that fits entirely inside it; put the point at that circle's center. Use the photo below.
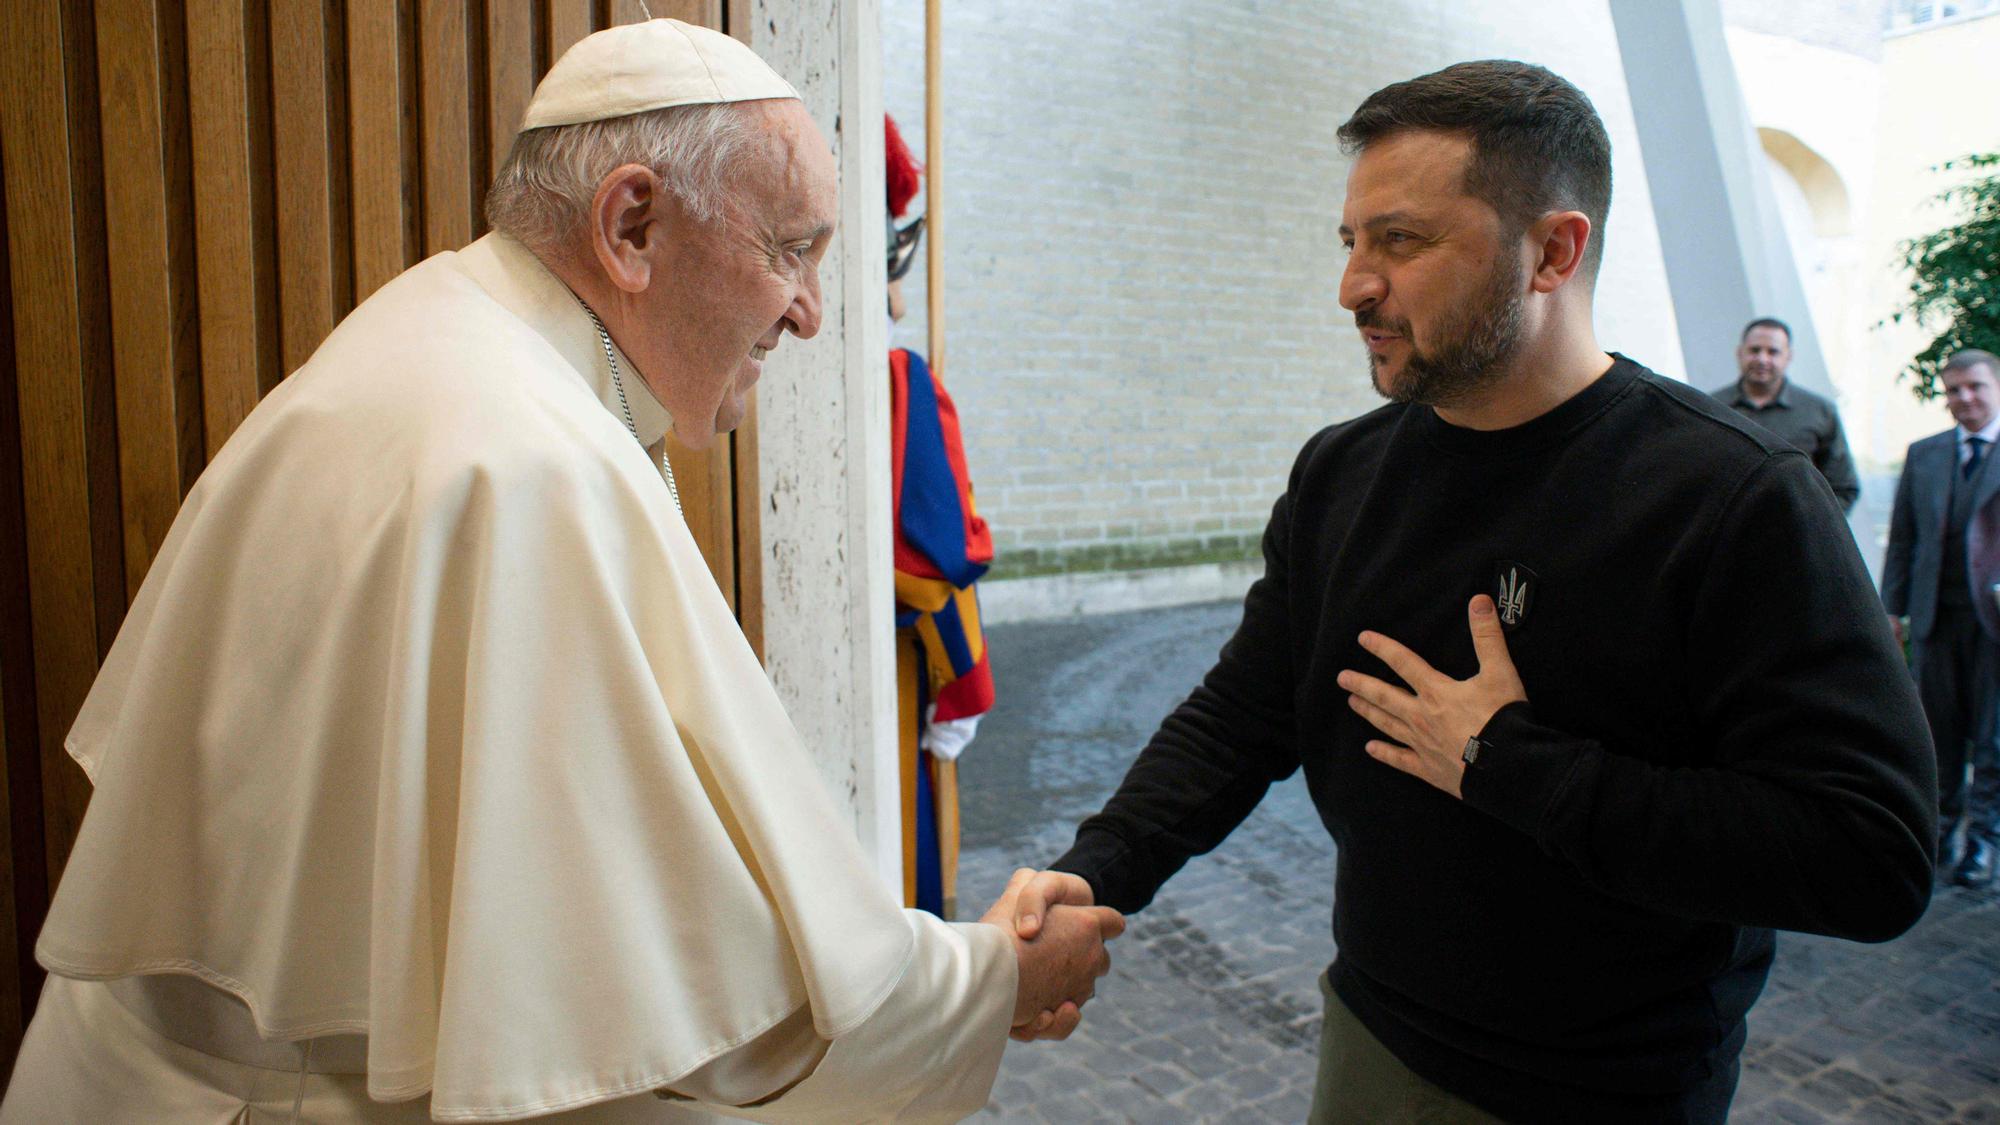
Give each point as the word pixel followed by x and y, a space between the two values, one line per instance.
pixel 1472 348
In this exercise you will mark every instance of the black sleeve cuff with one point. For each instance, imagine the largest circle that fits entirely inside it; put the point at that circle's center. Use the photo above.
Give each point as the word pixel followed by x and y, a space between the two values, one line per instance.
pixel 1522 771
pixel 1100 858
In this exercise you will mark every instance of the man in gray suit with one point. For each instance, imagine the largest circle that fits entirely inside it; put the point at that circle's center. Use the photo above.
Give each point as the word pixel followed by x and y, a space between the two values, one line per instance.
pixel 1943 571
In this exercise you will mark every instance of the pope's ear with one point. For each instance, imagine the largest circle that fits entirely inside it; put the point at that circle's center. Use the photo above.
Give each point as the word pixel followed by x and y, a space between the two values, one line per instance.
pixel 625 223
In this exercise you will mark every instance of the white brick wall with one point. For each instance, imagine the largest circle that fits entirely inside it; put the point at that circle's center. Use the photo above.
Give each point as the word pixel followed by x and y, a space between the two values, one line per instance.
pixel 1141 257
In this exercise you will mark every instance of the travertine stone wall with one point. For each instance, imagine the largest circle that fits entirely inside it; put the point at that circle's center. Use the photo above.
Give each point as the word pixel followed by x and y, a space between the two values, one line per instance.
pixel 823 447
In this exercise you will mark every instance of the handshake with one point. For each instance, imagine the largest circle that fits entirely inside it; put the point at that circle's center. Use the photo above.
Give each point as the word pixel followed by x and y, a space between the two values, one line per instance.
pixel 1059 938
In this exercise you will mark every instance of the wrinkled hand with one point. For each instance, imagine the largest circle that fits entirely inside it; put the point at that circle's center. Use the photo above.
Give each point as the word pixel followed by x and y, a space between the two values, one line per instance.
pixel 1432 723
pixel 1059 946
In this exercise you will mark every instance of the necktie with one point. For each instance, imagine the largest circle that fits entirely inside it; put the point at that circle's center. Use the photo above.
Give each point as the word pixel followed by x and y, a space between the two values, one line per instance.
pixel 1975 453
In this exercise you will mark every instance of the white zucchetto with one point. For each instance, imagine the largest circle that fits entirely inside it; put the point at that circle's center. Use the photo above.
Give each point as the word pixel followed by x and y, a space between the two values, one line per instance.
pixel 637 67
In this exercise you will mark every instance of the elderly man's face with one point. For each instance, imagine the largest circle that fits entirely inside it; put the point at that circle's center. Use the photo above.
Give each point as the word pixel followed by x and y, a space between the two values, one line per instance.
pixel 1437 288
pixel 729 289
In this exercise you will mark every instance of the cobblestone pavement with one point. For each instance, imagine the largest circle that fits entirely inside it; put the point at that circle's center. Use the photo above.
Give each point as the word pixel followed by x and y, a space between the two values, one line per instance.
pixel 1212 1009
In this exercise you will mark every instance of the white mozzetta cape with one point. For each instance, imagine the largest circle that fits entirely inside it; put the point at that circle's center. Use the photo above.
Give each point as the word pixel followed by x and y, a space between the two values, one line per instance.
pixel 430 724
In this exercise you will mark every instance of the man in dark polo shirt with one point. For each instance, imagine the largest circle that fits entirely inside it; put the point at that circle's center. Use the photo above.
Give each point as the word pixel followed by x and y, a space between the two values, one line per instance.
pixel 1584 672
pixel 1808 421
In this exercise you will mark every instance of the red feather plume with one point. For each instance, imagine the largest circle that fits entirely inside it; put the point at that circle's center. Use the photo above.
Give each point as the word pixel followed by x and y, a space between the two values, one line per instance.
pixel 905 175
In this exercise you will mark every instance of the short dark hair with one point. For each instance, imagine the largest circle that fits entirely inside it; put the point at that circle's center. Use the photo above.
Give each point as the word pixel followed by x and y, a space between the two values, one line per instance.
pixel 1537 143
pixel 1972 357
pixel 1767 322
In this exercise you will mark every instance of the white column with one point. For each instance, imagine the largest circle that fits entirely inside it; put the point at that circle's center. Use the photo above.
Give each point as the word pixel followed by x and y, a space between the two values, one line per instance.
pixel 823 443
pixel 1727 256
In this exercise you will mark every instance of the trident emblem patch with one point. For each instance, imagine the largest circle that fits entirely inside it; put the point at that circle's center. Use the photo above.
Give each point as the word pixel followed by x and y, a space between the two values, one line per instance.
pixel 1514 593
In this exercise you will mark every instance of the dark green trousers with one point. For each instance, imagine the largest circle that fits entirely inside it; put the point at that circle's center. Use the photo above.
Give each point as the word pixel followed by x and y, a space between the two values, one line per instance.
pixel 1360 1082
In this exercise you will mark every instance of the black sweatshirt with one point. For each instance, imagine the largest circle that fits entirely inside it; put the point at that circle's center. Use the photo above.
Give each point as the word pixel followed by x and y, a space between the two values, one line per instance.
pixel 1720 739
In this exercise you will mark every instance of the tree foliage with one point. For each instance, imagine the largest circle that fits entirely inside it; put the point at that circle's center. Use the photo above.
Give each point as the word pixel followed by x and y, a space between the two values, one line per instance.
pixel 1955 275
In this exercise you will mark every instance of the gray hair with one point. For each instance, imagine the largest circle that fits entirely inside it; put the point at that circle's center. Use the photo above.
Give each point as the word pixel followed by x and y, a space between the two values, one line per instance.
pixel 542 193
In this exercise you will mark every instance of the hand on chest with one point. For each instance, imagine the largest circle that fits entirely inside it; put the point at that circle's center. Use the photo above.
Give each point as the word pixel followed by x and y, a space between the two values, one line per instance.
pixel 1589 627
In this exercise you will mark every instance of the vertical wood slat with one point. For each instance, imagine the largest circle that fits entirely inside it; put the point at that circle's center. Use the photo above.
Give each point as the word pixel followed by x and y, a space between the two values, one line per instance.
pixel 446 83
pixel 100 395
pixel 23 874
pixel 569 21
pixel 747 528
pixel 12 1016
pixel 707 504
pixel 707 13
pixel 50 262
pixel 304 177
pixel 510 75
pixel 377 138
pixel 235 238
pixel 153 351
pixel 339 170
pixel 618 12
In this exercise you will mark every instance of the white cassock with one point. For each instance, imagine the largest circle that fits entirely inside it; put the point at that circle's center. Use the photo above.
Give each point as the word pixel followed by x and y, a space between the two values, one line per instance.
pixel 435 780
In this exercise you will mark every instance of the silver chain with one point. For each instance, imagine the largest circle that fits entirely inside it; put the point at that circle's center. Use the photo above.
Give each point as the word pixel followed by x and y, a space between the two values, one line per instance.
pixel 618 384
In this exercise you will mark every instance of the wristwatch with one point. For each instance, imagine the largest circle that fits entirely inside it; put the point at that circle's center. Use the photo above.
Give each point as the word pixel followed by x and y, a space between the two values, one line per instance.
pixel 1473 749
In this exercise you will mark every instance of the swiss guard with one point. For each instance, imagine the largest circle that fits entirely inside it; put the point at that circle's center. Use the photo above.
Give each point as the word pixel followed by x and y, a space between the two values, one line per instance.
pixel 942 548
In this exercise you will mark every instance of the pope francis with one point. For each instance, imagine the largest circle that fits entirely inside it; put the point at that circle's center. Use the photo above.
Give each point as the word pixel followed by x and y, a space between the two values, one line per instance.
pixel 434 780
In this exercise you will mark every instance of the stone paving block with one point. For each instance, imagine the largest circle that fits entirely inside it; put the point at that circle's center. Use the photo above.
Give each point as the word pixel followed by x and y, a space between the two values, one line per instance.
pixel 1787 1063
pixel 1207 1102
pixel 1890 1072
pixel 1972 1020
pixel 1986 958
pixel 1786 1015
pixel 1055 1087
pixel 1783 1110
pixel 1164 1081
pixel 1159 1049
pixel 1963 974
pixel 1841 994
pixel 1896 1010
pixel 1883 1112
pixel 1126 1101
pixel 1834 1091
pixel 1291 1105
pixel 1249 1084
pixel 1983 1069
pixel 1924 1103
pixel 1987 1000
pixel 1206 1066
pixel 1953 1089
pixel 1943 984
pixel 1830 1041
pixel 1935 1038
